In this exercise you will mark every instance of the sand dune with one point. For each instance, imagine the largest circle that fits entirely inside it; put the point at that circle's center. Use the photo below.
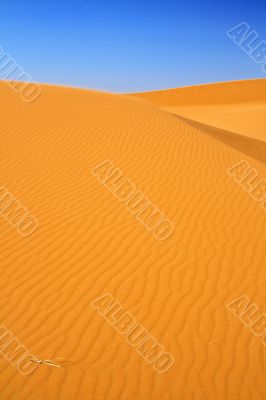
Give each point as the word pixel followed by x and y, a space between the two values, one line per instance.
pixel 89 243
pixel 252 147
pixel 239 107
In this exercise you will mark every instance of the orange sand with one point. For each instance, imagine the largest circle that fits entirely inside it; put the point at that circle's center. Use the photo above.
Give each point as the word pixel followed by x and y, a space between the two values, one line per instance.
pixel 88 243
pixel 238 107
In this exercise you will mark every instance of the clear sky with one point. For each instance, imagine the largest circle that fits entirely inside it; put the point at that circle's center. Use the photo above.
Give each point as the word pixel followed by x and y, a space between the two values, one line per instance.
pixel 133 45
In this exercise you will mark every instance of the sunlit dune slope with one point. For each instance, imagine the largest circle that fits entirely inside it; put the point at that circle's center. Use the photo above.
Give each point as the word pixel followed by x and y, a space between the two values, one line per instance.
pixel 89 243
pixel 239 107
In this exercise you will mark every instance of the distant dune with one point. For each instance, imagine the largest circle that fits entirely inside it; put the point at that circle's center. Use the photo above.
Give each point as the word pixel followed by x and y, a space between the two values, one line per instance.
pixel 239 107
pixel 176 148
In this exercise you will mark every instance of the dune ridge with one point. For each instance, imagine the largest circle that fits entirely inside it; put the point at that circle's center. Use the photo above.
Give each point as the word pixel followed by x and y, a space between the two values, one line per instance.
pixel 252 147
pixel 238 106
pixel 88 244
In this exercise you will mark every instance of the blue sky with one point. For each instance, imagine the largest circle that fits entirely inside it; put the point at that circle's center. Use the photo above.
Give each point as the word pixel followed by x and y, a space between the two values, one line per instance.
pixel 127 46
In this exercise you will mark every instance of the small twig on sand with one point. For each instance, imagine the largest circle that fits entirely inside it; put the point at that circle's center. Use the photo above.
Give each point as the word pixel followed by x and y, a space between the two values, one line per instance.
pixel 56 362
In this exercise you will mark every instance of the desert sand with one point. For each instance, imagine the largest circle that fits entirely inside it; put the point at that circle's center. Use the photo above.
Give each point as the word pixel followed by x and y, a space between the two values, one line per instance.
pixel 176 147
pixel 238 107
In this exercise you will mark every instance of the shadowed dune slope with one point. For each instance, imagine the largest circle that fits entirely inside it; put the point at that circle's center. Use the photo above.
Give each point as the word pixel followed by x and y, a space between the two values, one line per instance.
pixel 252 147
pixel 88 244
pixel 238 106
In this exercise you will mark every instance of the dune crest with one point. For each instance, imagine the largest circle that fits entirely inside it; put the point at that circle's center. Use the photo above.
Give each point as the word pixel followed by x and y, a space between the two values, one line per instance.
pixel 238 106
